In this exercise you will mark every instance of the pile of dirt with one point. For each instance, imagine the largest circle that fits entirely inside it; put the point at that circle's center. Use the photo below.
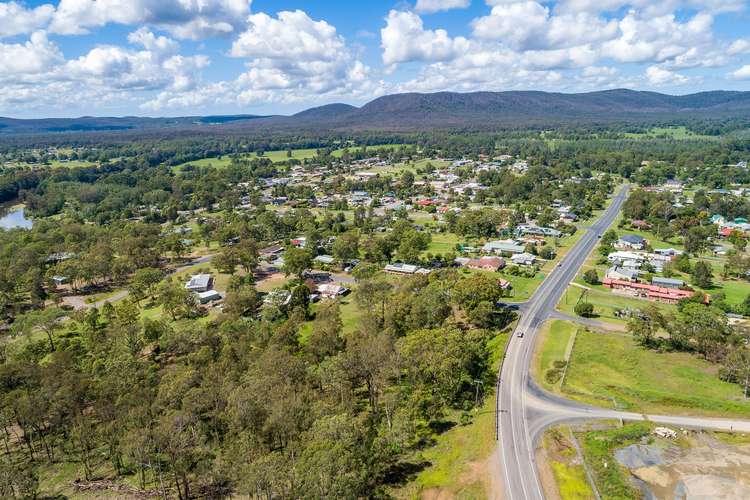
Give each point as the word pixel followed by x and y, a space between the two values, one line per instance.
pixel 699 467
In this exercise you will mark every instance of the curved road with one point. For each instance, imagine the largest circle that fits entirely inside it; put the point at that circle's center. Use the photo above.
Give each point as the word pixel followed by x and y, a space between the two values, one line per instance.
pixel 525 409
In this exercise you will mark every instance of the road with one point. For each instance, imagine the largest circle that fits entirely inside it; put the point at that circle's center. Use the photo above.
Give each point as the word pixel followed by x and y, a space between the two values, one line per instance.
pixel 526 410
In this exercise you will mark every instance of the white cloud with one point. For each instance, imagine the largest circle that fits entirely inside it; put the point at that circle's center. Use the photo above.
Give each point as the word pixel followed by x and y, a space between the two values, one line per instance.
pixel 15 19
pixel 430 6
pixel 529 25
pixel 741 74
pixel 20 60
pixel 739 46
pixel 194 19
pixel 158 66
pixel 291 58
pixel 404 39
pixel 649 7
pixel 659 77
pixel 292 36
pixel 658 39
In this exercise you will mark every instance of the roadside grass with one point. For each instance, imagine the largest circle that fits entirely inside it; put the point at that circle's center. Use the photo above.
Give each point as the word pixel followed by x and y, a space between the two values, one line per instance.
pixel 551 346
pixel 598 451
pixel 611 367
pixel 571 480
pixel 567 469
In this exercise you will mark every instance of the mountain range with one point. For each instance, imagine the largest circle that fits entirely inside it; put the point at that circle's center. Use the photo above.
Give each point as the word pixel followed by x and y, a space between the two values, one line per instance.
pixel 442 110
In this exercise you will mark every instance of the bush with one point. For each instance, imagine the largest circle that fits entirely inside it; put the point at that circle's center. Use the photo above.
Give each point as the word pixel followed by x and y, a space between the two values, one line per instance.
pixel 584 309
pixel 591 277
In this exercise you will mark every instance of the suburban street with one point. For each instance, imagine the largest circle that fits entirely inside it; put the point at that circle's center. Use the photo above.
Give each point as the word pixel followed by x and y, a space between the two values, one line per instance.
pixel 526 410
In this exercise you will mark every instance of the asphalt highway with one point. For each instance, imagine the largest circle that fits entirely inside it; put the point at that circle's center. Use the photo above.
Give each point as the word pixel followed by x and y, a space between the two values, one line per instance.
pixel 525 409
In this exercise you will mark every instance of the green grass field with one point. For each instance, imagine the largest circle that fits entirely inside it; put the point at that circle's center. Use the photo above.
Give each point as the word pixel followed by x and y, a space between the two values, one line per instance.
pixel 677 133
pixel 607 366
pixel 551 347
pixel 443 243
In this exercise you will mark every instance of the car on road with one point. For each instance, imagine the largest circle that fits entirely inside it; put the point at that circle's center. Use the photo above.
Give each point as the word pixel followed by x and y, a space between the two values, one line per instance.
pixel 519 335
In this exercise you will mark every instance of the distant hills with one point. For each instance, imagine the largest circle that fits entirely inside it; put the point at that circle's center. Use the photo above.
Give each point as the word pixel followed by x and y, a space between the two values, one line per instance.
pixel 442 110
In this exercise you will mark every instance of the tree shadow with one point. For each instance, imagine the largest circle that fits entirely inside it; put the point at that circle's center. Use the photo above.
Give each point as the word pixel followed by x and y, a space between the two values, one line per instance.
pixel 403 472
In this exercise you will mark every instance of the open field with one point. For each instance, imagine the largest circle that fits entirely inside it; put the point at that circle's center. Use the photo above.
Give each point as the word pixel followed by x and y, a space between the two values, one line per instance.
pixel 610 367
pixel 677 133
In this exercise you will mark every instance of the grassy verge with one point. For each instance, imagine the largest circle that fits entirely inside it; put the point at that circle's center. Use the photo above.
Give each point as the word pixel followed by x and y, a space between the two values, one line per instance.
pixel 458 465
pixel 606 367
pixel 567 468
pixel 551 348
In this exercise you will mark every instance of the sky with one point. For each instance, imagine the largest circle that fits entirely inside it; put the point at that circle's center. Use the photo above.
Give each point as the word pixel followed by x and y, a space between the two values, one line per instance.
pixel 72 58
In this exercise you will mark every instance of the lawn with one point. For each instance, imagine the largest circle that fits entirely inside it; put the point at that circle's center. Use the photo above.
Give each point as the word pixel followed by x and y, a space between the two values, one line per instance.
pixel 604 367
pixel 443 243
pixel 552 346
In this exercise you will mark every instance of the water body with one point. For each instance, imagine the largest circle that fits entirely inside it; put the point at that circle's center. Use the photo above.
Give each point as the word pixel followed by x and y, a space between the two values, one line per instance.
pixel 14 217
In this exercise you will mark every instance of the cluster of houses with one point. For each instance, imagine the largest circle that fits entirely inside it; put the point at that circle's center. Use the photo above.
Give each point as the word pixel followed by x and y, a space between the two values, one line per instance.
pixel 726 228
pixel 628 267
pixel 660 290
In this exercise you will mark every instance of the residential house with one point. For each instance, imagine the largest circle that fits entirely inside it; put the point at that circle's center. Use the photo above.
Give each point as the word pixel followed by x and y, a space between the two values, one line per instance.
pixel 667 282
pixel 199 283
pixel 271 251
pixel 631 241
pixel 622 274
pixel 537 231
pixel 331 291
pixel 486 263
pixel 523 259
pixel 650 292
pixel 324 259
pixel 208 296
pixel 503 247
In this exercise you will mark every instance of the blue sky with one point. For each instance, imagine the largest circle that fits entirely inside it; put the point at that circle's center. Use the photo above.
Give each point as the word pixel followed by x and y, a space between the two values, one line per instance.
pixel 180 57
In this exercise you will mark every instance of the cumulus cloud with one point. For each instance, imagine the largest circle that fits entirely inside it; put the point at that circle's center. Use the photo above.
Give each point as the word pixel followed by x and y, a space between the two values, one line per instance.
pixel 15 19
pixel 430 6
pixel 157 66
pixel 404 39
pixel 659 77
pixel 36 56
pixel 183 18
pixel 530 25
pixel 290 58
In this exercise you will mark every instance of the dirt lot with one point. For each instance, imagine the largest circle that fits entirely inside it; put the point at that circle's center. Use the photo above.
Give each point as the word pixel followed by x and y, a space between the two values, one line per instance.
pixel 699 466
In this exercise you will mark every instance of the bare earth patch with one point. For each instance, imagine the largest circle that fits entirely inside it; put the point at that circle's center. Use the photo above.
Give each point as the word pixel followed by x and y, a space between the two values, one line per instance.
pixel 706 468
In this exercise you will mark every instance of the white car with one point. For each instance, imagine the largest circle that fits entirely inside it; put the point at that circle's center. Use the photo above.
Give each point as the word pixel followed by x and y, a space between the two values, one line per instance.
pixel 519 335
